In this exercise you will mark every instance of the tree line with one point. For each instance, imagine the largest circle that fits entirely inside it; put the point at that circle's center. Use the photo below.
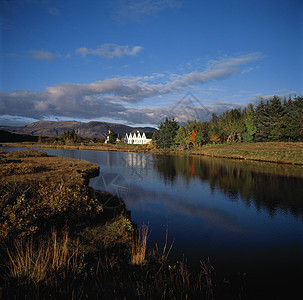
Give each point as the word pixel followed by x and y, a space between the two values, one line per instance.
pixel 271 120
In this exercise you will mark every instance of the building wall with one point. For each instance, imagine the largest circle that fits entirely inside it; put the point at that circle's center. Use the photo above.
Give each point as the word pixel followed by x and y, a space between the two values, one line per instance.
pixel 136 138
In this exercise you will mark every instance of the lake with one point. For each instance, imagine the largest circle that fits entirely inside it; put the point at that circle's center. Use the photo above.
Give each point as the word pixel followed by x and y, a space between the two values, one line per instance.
pixel 247 217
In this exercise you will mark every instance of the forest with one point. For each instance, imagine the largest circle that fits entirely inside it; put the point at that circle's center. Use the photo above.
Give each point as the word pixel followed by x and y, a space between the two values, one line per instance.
pixel 269 121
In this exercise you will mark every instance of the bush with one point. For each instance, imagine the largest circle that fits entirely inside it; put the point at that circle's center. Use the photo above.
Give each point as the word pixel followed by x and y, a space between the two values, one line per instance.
pixel 26 208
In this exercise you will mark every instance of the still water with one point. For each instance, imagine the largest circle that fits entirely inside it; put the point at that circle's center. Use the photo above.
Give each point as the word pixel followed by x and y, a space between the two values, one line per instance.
pixel 247 217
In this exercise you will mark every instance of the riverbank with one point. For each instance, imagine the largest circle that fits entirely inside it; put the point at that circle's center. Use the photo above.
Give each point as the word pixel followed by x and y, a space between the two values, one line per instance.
pixel 58 241
pixel 277 152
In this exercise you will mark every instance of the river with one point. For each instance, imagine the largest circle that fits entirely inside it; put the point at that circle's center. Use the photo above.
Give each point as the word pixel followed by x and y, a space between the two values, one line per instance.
pixel 247 217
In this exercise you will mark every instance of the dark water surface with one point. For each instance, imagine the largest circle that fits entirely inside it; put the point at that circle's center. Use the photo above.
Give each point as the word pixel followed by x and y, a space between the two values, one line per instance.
pixel 247 217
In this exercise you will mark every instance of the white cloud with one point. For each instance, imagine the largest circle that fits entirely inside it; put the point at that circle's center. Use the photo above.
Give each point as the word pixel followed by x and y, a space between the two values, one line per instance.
pixel 110 50
pixel 281 94
pixel 216 70
pixel 227 62
pixel 115 97
pixel 42 55
pixel 136 10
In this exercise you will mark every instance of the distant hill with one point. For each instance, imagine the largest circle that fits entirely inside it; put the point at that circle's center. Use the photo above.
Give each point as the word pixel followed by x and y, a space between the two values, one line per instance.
pixel 86 130
pixel 6 136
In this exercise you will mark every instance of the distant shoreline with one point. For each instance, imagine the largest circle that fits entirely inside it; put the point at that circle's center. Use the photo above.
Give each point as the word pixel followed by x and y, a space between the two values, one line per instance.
pixel 274 152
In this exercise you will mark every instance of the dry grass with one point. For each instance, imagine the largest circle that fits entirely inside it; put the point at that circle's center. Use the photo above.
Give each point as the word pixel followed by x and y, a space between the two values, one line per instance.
pixel 208 273
pixel 36 262
pixel 98 146
pixel 96 267
pixel 138 246
pixel 279 152
pixel 23 166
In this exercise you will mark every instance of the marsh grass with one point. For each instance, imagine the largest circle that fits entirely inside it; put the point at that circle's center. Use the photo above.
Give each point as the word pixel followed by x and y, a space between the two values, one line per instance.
pixel 32 165
pixel 26 153
pixel 208 273
pixel 139 245
pixel 39 261
pixel 58 266
pixel 278 152
pixel 100 257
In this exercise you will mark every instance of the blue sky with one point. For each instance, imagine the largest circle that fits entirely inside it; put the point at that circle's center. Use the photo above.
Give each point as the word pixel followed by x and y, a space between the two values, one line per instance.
pixel 136 62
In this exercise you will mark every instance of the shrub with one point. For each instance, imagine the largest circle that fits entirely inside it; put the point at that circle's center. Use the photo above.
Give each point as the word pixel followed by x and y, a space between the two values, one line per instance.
pixel 26 208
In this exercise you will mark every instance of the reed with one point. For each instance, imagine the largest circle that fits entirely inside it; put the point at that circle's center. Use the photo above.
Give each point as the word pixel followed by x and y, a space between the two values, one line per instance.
pixel 208 273
pixel 32 262
pixel 138 246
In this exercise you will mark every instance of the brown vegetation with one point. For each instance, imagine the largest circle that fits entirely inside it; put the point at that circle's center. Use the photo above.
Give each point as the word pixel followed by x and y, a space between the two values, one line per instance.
pixel 57 242
pixel 278 152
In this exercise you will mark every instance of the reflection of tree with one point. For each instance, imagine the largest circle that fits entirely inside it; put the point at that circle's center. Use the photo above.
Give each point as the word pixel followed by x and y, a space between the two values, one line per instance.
pixel 166 167
pixel 264 185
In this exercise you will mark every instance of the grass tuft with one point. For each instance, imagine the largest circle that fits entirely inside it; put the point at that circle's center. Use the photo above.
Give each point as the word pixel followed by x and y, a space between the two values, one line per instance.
pixel 138 246
pixel 36 262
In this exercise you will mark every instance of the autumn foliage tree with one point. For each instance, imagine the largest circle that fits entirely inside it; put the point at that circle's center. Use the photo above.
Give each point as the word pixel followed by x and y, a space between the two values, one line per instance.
pixel 193 137
pixel 271 120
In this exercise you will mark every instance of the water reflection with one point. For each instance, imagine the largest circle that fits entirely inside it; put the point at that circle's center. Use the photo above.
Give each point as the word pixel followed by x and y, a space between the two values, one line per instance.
pixel 245 216
pixel 269 186
pixel 211 216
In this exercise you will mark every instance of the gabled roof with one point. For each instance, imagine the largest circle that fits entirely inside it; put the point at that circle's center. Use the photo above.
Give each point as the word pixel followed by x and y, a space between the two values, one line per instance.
pixel 134 134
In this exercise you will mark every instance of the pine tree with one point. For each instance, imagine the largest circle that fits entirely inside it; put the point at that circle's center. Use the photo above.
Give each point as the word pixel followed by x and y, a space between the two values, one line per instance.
pixel 276 113
pixel 261 121
pixel 248 116
pixel 166 133
pixel 294 122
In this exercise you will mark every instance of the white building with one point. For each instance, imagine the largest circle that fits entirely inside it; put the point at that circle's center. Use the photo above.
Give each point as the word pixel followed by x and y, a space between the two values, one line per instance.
pixel 138 137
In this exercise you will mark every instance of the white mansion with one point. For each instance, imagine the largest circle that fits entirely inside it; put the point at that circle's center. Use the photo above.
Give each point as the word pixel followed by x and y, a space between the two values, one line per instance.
pixel 138 137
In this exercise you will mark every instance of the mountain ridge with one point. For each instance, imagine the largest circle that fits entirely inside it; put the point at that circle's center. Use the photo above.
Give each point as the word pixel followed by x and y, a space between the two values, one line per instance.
pixel 86 130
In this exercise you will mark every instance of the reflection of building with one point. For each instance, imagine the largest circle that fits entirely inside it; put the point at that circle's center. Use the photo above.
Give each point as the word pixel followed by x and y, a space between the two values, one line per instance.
pixel 138 165
pixel 135 160
pixel 138 137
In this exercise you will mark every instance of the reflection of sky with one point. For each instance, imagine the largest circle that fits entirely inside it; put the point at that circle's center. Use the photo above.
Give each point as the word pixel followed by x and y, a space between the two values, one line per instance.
pixel 202 221
pixel 189 207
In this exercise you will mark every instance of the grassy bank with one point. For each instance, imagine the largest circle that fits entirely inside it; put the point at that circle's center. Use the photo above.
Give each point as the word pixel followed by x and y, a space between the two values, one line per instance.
pixel 58 241
pixel 89 146
pixel 278 152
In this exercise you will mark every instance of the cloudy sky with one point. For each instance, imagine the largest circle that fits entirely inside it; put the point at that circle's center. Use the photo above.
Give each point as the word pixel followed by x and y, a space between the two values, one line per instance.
pixel 135 62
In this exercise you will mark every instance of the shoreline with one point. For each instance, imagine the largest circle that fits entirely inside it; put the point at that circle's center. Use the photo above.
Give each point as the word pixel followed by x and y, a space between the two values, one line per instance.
pixel 96 240
pixel 56 241
pixel 290 153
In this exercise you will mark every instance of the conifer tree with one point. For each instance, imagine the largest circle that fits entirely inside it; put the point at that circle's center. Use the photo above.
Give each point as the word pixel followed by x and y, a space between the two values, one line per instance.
pixel 165 135
pixel 276 112
pixel 262 122
pixel 248 116
pixel 294 122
